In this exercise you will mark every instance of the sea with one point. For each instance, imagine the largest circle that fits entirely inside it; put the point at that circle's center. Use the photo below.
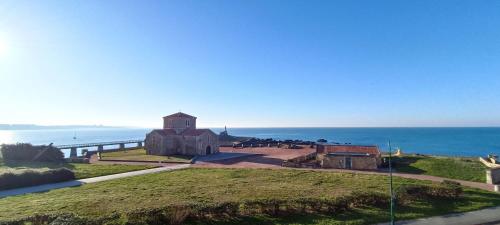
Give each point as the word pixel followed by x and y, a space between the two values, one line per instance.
pixel 469 141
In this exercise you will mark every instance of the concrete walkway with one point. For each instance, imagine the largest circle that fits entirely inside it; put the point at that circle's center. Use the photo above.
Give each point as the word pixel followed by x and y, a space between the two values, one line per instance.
pixel 483 186
pixel 47 187
pixel 487 216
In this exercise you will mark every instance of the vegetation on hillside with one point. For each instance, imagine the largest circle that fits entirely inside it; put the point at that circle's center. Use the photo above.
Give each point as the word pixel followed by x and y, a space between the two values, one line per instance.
pixel 145 195
pixel 30 153
pixel 469 169
pixel 26 178
pixel 81 170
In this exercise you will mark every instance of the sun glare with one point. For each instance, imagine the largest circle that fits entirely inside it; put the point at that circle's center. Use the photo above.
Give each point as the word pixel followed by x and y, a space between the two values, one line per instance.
pixel 5 137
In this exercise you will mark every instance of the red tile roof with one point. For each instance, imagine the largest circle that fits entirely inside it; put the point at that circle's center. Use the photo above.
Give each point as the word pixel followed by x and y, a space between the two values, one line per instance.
pixel 179 114
pixel 372 150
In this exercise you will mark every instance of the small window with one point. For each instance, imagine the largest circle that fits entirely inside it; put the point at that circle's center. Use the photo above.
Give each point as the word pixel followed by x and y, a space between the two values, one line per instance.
pixel 187 123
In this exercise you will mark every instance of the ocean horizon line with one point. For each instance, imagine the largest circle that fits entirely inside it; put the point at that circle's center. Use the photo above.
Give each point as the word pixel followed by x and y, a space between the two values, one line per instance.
pixel 70 127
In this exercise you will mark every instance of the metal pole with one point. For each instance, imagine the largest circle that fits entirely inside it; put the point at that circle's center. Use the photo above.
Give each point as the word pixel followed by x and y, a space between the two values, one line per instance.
pixel 390 188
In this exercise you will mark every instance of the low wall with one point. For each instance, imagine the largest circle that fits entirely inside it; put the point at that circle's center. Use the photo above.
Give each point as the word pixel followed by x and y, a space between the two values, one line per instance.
pixel 493 176
pixel 488 163
pixel 89 153
pixel 299 162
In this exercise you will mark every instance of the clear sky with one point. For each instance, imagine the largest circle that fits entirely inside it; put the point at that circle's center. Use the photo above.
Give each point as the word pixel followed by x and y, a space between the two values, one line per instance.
pixel 251 63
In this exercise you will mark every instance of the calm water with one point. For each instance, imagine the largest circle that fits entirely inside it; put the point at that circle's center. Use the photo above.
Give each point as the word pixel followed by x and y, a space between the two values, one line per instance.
pixel 439 141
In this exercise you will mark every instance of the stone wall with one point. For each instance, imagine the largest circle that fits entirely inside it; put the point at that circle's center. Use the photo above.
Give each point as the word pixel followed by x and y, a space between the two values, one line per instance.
pixel 364 163
pixel 157 144
pixel 493 176
pixel 301 161
pixel 208 139
pixel 336 162
pixel 179 123
pixel 357 162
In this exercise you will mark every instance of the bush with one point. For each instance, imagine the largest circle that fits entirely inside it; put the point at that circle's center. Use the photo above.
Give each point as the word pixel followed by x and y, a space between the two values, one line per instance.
pixel 445 190
pixel 178 214
pixel 28 152
pixel 376 199
pixel 32 177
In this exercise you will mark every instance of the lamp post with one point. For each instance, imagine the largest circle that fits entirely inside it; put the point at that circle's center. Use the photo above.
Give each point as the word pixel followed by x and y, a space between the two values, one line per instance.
pixel 390 185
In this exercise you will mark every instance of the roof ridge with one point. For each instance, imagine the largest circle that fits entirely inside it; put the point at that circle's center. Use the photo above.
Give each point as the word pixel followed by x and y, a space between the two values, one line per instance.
pixel 180 114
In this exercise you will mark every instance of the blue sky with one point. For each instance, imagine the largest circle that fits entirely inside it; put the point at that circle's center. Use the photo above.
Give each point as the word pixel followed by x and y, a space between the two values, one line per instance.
pixel 251 63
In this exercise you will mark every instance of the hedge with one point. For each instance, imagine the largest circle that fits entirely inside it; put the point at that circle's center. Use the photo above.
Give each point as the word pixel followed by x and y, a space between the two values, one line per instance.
pixel 177 214
pixel 445 190
pixel 27 178
pixel 28 152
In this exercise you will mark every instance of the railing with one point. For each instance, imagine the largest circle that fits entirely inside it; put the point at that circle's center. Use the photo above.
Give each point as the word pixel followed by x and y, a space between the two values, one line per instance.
pixel 86 145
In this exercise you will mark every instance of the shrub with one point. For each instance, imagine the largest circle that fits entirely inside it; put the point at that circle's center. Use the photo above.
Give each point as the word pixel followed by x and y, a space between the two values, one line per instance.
pixel 445 190
pixel 69 219
pixel 28 152
pixel 27 178
pixel 376 199
pixel 178 214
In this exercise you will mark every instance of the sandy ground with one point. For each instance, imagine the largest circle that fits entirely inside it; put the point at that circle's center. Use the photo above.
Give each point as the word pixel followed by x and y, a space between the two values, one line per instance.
pixel 264 157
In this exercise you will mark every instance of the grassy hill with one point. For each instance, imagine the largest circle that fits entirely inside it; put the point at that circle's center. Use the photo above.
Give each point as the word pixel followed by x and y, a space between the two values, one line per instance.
pixel 222 185
pixel 469 169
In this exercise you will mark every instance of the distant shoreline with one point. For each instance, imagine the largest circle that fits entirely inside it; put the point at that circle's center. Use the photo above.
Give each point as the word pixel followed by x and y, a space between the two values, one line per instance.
pixel 53 127
pixel 40 127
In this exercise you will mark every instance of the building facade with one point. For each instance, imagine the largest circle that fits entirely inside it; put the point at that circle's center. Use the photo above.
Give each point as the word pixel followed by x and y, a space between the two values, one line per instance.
pixel 357 157
pixel 180 136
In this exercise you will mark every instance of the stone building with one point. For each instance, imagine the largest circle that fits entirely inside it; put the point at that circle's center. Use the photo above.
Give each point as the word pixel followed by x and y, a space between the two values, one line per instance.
pixel 179 136
pixel 358 157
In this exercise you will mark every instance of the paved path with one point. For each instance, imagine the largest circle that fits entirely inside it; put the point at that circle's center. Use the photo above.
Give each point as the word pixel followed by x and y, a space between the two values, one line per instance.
pixel 47 187
pixel 483 186
pixel 487 216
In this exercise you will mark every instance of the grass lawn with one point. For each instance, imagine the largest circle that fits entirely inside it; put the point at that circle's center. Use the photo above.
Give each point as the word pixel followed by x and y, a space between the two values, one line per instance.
pixel 81 170
pixel 219 185
pixel 140 155
pixel 450 167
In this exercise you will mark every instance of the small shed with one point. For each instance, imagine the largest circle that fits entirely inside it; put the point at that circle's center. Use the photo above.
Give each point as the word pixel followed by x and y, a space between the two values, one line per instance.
pixel 357 157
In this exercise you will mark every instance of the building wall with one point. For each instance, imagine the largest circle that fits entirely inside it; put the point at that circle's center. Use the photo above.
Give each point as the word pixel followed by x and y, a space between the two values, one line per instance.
pixel 364 163
pixel 207 139
pixel 157 144
pixel 357 162
pixel 179 123
pixel 333 162
pixel 187 145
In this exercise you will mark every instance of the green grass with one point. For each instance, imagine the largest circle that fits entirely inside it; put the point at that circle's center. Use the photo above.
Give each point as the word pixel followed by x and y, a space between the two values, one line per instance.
pixel 140 155
pixel 219 185
pixel 81 170
pixel 469 169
